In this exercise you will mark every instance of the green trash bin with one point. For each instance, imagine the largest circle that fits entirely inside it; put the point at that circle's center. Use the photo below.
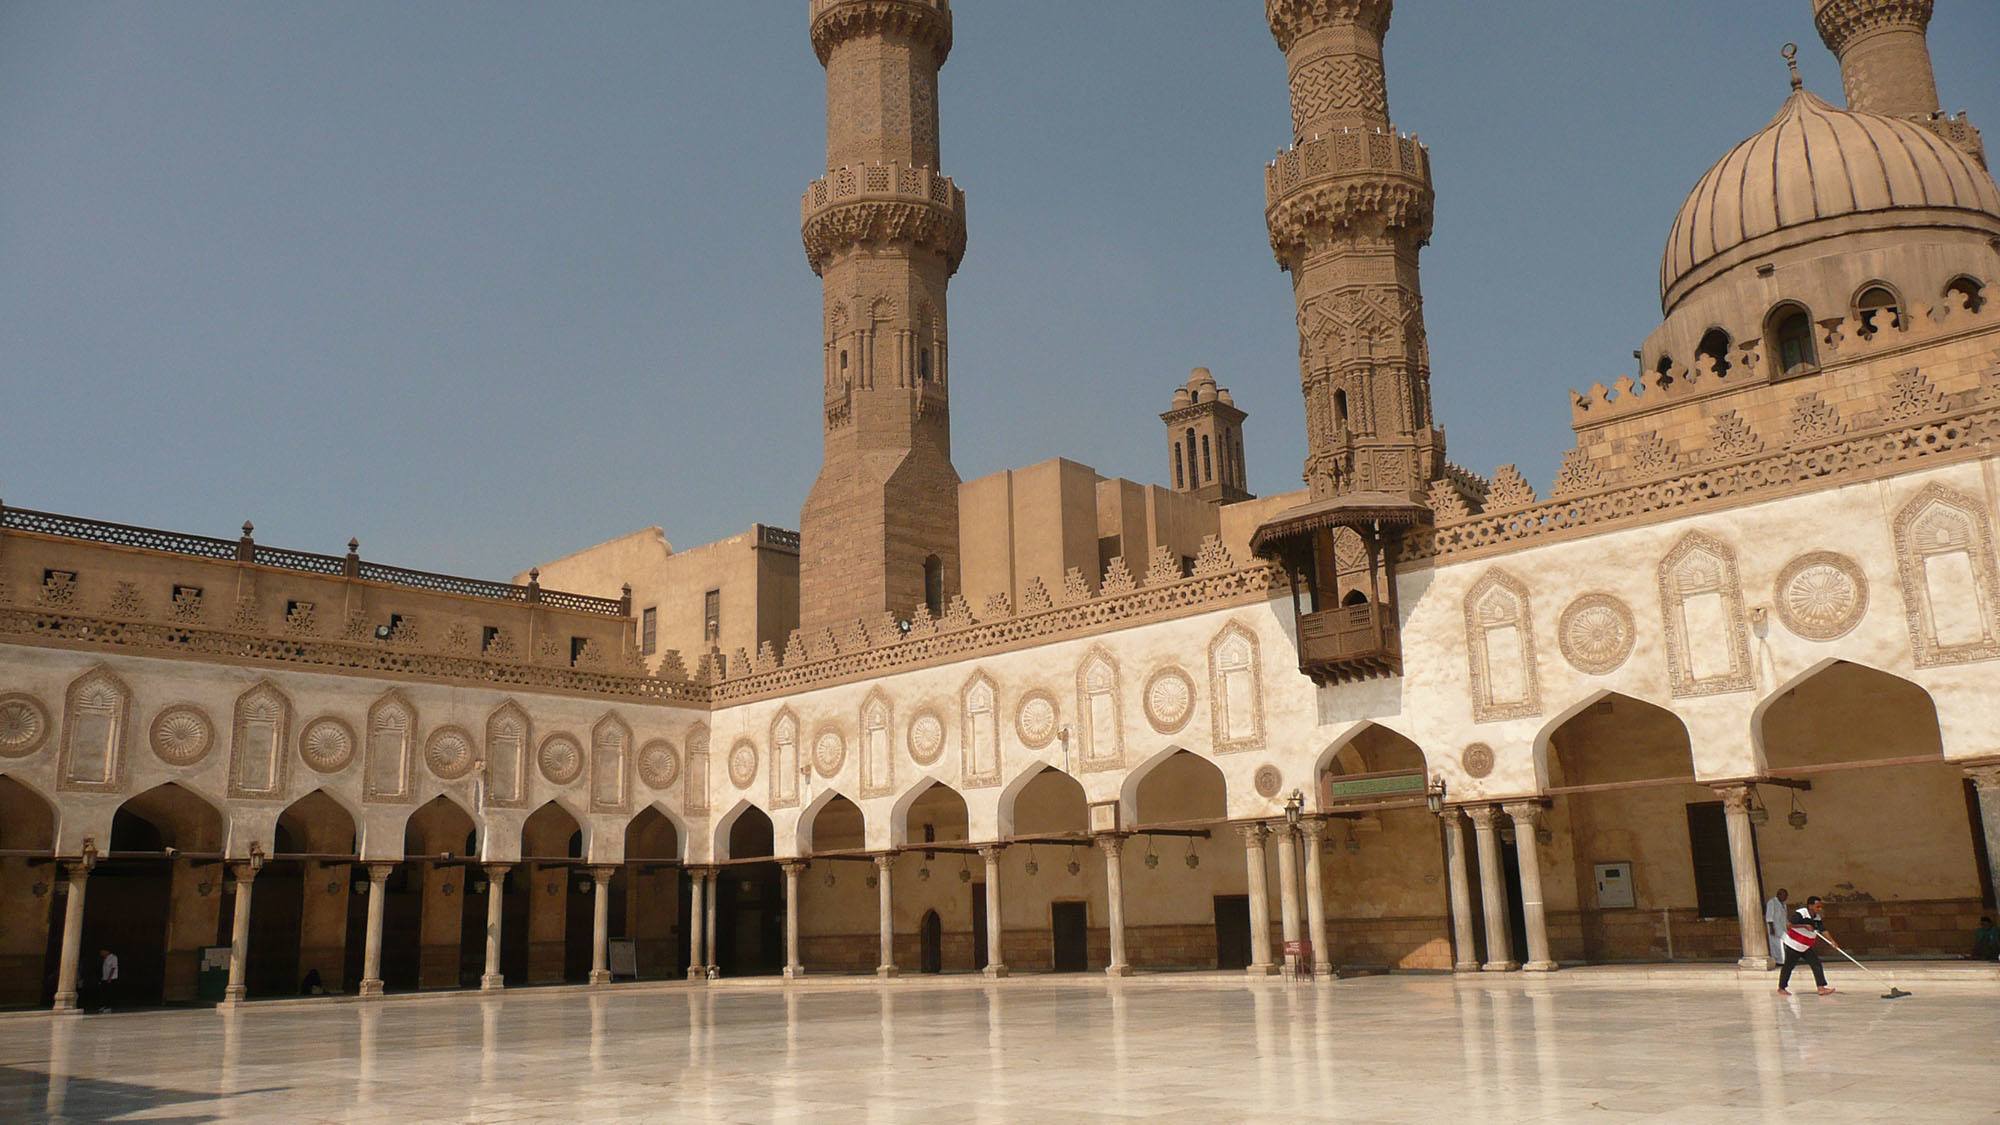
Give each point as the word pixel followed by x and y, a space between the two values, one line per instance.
pixel 211 979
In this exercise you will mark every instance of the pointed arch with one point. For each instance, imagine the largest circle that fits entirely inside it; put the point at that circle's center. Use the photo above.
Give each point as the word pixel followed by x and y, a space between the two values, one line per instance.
pixel 931 797
pixel 878 756
pixel 509 735
pixel 439 825
pixel 979 726
pixel 555 831
pixel 844 821
pixel 389 758
pixel 1055 803
pixel 1612 737
pixel 1500 648
pixel 258 737
pixel 185 818
pixel 28 818
pixel 784 779
pixel 655 833
pixel 610 764
pixel 1235 690
pixel 1100 717
pixel 754 824
pixel 1701 604
pixel 1392 763
pixel 319 823
pixel 1149 791
pixel 1800 722
pixel 1946 565
pixel 96 732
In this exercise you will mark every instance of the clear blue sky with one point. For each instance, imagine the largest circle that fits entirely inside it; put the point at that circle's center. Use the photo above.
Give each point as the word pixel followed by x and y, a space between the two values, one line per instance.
pixel 483 283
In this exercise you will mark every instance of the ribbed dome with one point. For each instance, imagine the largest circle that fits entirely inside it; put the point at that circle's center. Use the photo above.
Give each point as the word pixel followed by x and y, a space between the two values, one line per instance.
pixel 1814 162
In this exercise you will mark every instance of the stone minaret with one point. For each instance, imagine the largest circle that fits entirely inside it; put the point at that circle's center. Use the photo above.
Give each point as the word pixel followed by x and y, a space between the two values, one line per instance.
pixel 1205 441
pixel 1349 206
pixel 1885 62
pixel 885 231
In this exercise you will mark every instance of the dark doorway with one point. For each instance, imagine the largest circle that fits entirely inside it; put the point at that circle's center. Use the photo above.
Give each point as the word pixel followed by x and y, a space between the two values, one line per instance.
pixel 579 895
pixel 402 929
pixel 1232 931
pixel 930 943
pixel 978 925
pixel 515 905
pixel 277 908
pixel 750 920
pixel 1517 910
pixel 1980 858
pixel 472 928
pixel 352 954
pixel 125 909
pixel 1070 927
pixel 1708 846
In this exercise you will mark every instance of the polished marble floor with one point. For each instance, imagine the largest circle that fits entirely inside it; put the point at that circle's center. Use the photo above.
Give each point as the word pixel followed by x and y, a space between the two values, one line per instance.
pixel 1067 1049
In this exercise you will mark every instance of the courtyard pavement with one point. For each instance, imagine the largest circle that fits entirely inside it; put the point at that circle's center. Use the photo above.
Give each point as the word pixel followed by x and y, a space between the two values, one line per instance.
pixel 1069 1049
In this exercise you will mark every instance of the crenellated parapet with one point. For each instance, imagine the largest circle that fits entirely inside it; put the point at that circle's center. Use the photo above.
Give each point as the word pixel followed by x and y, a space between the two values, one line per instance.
pixel 883 204
pixel 923 21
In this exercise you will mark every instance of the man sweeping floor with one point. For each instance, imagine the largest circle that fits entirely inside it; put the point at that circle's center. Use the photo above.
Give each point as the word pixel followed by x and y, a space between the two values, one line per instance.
pixel 1806 929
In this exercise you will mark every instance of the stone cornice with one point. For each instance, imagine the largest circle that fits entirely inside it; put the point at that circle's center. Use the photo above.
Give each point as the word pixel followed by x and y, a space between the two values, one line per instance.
pixel 1840 22
pixel 835 21
pixel 1293 20
pixel 1314 216
pixel 880 204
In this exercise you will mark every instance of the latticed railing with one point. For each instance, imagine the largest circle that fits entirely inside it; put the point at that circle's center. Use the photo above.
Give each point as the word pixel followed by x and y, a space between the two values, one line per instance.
pixel 305 562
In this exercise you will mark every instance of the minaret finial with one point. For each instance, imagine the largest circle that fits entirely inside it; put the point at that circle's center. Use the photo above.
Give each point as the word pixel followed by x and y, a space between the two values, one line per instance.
pixel 1791 53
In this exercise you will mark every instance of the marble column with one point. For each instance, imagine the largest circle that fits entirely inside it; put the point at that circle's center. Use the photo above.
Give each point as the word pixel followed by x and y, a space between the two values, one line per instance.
pixel 697 965
pixel 1288 896
pixel 245 875
pixel 1749 884
pixel 883 865
pixel 1260 903
pixel 1986 782
pixel 996 965
pixel 371 955
pixel 1492 890
pixel 714 968
pixel 493 980
pixel 1465 950
pixel 1113 848
pixel 1528 852
pixel 78 875
pixel 794 968
pixel 600 924
pixel 1322 949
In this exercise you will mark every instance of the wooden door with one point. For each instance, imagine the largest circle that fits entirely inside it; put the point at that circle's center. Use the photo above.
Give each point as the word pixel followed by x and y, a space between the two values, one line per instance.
pixel 1070 927
pixel 1232 931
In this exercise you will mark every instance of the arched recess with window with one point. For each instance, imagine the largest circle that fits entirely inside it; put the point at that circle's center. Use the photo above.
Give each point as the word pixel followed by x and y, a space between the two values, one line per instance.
pixel 156 909
pixel 1382 854
pixel 559 922
pixel 656 896
pixel 1713 352
pixel 1963 292
pixel 1878 308
pixel 1788 340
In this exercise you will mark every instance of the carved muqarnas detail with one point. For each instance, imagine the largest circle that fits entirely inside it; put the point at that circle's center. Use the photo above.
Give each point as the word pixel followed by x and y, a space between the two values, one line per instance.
pixel 1821 595
pixel 182 735
pixel 1814 419
pixel 1596 633
pixel 1500 649
pixel 1731 437
pixel 1951 590
pixel 1701 602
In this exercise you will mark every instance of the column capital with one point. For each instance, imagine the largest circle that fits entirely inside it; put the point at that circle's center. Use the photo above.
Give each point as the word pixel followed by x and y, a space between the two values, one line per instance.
pixel 496 870
pixel 1984 775
pixel 603 872
pixel 1313 827
pixel 244 870
pixel 884 861
pixel 1253 833
pixel 1110 843
pixel 1525 812
pixel 991 852
pixel 793 867
pixel 1735 797
pixel 380 872
pixel 1481 815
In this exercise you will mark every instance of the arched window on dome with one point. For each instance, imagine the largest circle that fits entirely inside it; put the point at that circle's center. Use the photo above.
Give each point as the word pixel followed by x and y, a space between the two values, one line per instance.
pixel 1788 333
pixel 1665 365
pixel 1877 307
pixel 1714 347
pixel 1963 293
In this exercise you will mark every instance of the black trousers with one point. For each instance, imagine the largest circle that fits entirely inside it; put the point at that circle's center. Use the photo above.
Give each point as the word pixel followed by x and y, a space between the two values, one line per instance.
pixel 1794 957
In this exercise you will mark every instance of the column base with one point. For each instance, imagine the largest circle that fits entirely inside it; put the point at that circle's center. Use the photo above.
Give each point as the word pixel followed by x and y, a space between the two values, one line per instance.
pixel 714 972
pixel 1262 970
pixel 994 972
pixel 1325 972
pixel 1756 964
pixel 234 995
pixel 1117 970
pixel 886 971
pixel 492 982
pixel 794 972
pixel 1539 967
pixel 600 976
pixel 1465 967
pixel 65 1002
pixel 1500 966
pixel 697 974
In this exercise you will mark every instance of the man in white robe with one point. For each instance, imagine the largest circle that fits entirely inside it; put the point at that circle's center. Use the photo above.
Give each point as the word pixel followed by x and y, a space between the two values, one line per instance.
pixel 1775 918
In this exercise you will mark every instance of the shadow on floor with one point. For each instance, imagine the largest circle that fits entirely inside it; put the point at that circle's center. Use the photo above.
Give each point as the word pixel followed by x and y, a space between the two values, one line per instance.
pixel 33 1095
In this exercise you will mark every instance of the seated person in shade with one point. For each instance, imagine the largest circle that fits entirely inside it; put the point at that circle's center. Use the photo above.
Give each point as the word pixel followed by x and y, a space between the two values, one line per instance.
pixel 1986 940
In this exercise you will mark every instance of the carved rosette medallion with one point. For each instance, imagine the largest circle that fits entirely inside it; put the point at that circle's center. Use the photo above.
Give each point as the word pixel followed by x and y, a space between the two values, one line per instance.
pixel 181 735
pixel 1821 596
pixel 926 739
pixel 829 752
pixel 1268 781
pixel 1477 761
pixel 450 753
pixel 1036 720
pixel 659 766
pixel 560 759
pixel 24 726
pixel 326 745
pixel 1169 699
pixel 1596 634
pixel 742 764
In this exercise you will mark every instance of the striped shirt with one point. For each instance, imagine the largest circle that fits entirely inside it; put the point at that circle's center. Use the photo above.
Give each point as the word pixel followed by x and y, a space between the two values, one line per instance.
pixel 1803 933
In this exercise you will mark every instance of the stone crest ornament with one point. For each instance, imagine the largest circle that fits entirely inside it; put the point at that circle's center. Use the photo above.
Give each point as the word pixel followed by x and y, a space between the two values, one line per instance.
pixel 1477 761
pixel 24 726
pixel 181 735
pixel 1821 595
pixel 829 752
pixel 742 764
pixel 1596 634
pixel 326 745
pixel 1268 781
pixel 450 753
pixel 926 739
pixel 560 759
pixel 1169 699
pixel 1036 720
pixel 659 766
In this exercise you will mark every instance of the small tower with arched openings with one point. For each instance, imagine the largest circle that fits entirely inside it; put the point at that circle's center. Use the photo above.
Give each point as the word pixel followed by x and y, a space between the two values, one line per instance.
pixel 1205 441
